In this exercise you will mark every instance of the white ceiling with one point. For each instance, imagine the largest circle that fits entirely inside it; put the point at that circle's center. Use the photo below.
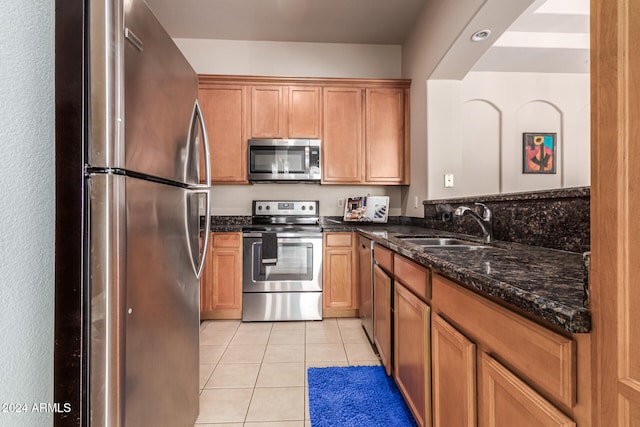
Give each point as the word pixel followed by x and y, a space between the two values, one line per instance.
pixel 551 36
pixel 322 21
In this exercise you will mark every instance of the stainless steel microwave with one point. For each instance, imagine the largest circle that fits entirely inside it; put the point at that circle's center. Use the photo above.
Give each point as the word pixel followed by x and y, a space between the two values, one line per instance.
pixel 276 160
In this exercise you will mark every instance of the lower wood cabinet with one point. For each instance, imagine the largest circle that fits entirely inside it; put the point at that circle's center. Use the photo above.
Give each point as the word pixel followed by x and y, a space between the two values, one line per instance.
pixel 463 360
pixel 454 376
pixel 526 373
pixel 412 368
pixel 382 288
pixel 505 400
pixel 221 280
pixel 339 275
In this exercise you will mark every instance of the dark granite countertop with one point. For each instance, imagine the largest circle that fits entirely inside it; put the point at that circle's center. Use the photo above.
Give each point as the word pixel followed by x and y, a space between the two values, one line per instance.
pixel 546 283
pixel 226 228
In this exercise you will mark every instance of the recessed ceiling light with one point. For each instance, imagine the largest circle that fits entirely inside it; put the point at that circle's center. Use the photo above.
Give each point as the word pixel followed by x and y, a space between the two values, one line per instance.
pixel 480 35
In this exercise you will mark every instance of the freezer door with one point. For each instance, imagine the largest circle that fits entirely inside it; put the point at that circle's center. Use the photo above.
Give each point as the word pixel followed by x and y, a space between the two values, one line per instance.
pixel 145 304
pixel 159 91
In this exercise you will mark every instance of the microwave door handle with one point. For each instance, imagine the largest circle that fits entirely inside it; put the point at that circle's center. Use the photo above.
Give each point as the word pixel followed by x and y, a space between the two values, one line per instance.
pixel 307 160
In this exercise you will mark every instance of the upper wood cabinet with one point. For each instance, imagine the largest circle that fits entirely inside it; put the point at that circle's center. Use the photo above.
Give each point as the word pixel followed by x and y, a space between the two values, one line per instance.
pixel 285 112
pixel 267 112
pixel 224 111
pixel 363 124
pixel 304 112
pixel 366 136
pixel 342 156
pixel 386 136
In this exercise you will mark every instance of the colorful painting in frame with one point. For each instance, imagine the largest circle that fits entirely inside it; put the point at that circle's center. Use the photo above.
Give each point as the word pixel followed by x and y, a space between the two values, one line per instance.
pixel 539 152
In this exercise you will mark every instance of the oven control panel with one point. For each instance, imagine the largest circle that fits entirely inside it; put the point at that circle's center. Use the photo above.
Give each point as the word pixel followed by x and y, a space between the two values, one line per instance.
pixel 285 208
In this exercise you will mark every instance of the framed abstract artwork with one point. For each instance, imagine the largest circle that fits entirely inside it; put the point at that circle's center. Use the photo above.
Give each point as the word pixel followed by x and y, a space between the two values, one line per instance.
pixel 539 152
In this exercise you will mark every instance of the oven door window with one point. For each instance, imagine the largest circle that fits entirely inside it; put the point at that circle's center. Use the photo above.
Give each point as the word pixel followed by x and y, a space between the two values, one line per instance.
pixel 295 263
pixel 278 160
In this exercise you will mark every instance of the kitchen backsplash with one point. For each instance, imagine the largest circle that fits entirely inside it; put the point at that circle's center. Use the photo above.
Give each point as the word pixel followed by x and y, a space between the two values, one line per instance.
pixel 557 219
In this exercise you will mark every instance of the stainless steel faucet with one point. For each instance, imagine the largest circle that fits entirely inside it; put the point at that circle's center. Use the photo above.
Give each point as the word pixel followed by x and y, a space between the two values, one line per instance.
pixel 485 221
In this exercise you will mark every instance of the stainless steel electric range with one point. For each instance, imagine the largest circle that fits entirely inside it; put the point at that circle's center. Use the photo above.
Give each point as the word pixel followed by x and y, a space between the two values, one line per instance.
pixel 282 262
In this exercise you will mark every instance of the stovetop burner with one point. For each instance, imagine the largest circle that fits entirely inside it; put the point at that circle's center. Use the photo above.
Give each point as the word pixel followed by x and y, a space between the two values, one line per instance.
pixel 283 216
pixel 282 228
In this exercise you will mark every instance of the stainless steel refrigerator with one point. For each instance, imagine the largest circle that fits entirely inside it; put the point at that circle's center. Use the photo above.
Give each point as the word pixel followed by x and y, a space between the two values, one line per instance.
pixel 129 246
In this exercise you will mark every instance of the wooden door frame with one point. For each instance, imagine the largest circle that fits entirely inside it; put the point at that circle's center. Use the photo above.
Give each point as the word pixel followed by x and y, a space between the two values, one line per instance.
pixel 615 145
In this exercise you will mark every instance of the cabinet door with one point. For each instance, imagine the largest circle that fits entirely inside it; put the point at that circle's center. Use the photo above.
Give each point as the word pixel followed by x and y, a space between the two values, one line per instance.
pixel 221 282
pixel 267 112
pixel 412 349
pixel 224 111
pixel 454 376
pixel 342 132
pixel 506 401
pixel 543 358
pixel 304 112
pixel 382 315
pixel 339 279
pixel 386 160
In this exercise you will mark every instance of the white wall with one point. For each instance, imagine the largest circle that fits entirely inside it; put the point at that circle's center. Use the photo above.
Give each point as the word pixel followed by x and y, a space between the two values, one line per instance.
pixel 491 111
pixel 264 58
pixel 436 30
pixel 439 47
pixel 27 213
pixel 293 59
pixel 236 200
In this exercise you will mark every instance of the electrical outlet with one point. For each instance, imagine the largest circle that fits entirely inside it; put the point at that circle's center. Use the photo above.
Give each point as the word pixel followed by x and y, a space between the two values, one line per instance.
pixel 341 203
pixel 448 180
pixel 415 202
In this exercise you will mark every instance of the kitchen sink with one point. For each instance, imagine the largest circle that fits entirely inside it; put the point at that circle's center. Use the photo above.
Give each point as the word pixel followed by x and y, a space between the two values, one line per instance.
pixel 442 242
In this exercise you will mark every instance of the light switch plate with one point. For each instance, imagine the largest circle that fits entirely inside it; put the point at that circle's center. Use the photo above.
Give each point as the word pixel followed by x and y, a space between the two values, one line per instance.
pixel 448 180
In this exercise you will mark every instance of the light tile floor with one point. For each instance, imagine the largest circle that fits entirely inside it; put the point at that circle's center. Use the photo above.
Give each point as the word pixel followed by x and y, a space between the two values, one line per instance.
pixel 255 374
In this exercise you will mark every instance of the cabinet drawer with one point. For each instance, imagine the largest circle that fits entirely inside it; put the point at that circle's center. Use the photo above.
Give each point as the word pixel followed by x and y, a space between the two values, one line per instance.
pixel 384 257
pixel 545 359
pixel 413 276
pixel 338 239
pixel 226 240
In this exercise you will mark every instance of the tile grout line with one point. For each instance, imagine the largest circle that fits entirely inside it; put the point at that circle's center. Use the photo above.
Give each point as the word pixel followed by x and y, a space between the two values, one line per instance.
pixel 255 384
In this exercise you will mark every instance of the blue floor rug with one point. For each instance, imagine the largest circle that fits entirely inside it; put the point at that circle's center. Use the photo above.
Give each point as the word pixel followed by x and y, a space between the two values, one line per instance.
pixel 355 396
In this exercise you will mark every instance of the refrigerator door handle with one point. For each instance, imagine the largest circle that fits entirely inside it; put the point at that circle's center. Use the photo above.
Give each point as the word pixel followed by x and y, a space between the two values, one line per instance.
pixel 198 265
pixel 205 144
pixel 197 120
